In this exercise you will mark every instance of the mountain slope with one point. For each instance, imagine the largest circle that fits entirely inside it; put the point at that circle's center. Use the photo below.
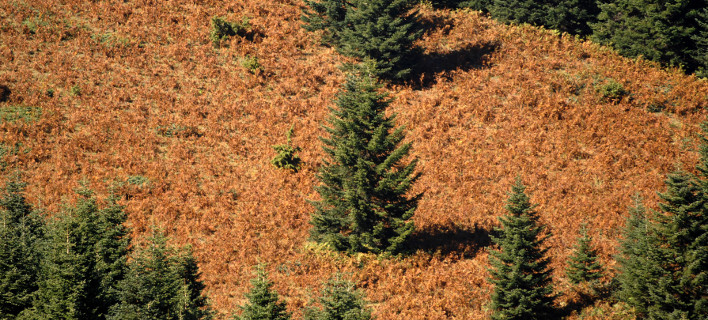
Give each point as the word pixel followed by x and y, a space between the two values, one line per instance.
pixel 142 98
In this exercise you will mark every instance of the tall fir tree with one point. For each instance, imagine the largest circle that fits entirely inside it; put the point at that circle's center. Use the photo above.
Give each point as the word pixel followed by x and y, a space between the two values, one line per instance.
pixel 661 31
pixel 664 261
pixel 327 15
pixel 520 270
pixel 700 37
pixel 85 258
pixel 364 181
pixel 263 302
pixel 162 283
pixel 21 236
pixel 583 265
pixel 340 300
pixel 383 31
pixel 636 267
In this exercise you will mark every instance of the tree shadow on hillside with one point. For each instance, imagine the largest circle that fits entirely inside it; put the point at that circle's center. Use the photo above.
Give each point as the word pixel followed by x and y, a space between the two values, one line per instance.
pixel 4 93
pixel 429 67
pixel 584 300
pixel 450 239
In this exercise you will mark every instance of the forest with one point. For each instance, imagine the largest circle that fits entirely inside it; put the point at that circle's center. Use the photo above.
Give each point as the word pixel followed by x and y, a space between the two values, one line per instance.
pixel 362 159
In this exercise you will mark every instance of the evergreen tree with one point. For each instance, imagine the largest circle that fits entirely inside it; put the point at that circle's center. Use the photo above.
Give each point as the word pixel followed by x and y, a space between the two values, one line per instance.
pixel 583 265
pixel 161 284
pixel 327 15
pixel 658 30
pixel 681 233
pixel 383 31
pixel 522 11
pixel 21 234
pixel 263 302
pixel 364 180
pixel 340 301
pixel 520 274
pixel 573 16
pixel 636 268
pixel 700 37
pixel 85 257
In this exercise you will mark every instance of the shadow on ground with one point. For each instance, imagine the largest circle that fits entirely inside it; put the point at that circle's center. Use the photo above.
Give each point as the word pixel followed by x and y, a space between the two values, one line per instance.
pixel 450 239
pixel 430 67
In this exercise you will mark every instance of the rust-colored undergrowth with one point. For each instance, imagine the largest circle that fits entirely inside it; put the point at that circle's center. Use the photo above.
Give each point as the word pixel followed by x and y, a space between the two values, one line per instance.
pixel 133 94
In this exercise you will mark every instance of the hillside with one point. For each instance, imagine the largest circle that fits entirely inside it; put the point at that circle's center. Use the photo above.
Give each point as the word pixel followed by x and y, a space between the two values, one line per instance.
pixel 134 94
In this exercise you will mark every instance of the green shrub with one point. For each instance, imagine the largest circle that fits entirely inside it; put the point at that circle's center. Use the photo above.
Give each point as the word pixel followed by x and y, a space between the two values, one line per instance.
pixel 75 90
pixel 287 157
pixel 251 63
pixel 612 91
pixel 222 29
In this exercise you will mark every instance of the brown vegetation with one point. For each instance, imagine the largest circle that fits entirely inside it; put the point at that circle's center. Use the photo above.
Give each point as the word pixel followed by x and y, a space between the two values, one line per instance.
pixel 154 98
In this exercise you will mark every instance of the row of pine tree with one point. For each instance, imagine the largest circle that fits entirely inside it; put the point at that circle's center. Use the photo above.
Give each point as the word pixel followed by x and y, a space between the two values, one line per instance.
pixel 672 32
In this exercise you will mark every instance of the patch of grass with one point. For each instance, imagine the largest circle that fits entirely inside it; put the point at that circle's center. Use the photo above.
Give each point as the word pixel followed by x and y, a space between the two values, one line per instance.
pixel 110 39
pixel 137 180
pixel 14 113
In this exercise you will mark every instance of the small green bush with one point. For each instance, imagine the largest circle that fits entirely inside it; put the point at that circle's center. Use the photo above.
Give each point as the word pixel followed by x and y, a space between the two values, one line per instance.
pixel 75 90
pixel 222 29
pixel 287 157
pixel 612 91
pixel 251 63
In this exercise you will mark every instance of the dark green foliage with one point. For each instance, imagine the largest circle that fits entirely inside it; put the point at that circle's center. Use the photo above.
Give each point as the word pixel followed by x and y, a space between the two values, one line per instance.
pixel 634 259
pixel 85 259
pixel 663 31
pixel 263 302
pixel 21 236
pixel 583 265
pixel 382 31
pixel 480 5
pixel 222 29
pixel 612 91
pixel 521 11
pixel 664 261
pixel 573 16
pixel 162 284
pixel 700 37
pixel 340 300
pixel 327 15
pixel 364 181
pixel 520 271
pixel 287 157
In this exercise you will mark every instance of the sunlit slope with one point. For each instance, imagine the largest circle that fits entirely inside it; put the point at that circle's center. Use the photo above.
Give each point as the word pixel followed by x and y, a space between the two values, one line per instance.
pixel 141 99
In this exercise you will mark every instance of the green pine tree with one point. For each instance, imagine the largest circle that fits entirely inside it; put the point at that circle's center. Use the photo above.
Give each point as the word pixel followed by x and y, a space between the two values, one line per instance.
pixel 84 259
pixel 327 15
pixel 520 271
pixel 700 37
pixel 573 16
pixel 340 300
pixel 522 11
pixel 161 284
pixel 657 30
pixel 583 265
pixel 364 182
pixel 681 232
pixel 382 31
pixel 21 236
pixel 664 261
pixel 263 302
pixel 636 268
